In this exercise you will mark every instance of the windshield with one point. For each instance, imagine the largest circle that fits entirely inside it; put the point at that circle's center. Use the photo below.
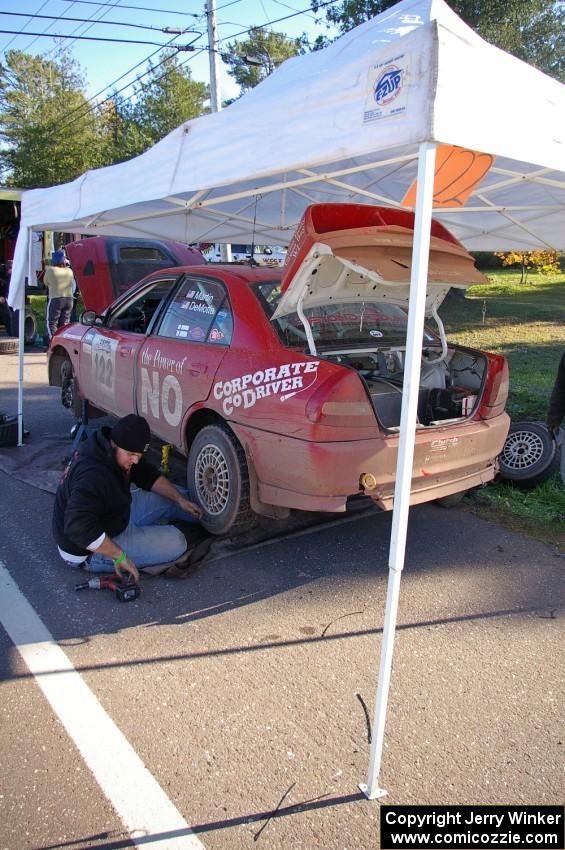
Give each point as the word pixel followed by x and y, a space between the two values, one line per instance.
pixel 355 324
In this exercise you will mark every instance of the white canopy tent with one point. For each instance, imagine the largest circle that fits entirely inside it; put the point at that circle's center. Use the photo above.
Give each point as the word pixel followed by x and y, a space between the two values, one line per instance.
pixel 315 131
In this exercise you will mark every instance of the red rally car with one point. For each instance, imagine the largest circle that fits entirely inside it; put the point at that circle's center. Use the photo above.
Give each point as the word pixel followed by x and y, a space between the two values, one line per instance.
pixel 283 387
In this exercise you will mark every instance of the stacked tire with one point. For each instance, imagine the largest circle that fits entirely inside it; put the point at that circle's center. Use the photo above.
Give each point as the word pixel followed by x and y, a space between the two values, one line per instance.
pixel 10 344
pixel 8 430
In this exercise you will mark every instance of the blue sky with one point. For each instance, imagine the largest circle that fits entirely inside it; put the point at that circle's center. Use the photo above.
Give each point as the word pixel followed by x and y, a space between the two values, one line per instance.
pixel 103 63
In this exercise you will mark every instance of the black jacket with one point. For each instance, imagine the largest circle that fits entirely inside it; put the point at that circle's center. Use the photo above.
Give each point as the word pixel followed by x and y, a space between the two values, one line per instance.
pixel 94 496
pixel 556 411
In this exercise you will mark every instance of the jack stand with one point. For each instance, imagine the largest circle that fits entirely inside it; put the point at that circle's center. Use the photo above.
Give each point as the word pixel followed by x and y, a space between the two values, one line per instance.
pixel 83 430
pixel 165 453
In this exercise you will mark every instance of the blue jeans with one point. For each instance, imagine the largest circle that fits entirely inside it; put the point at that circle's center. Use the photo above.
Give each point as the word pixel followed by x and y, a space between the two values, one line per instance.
pixel 145 541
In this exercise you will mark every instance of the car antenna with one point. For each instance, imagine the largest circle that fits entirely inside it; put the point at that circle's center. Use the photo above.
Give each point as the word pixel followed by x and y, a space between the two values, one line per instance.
pixel 253 235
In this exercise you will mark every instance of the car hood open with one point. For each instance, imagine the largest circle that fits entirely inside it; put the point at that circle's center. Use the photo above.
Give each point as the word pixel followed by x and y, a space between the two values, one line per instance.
pixel 346 252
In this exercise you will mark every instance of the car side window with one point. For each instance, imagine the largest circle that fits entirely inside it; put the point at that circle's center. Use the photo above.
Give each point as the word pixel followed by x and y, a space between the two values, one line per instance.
pixel 200 312
pixel 136 314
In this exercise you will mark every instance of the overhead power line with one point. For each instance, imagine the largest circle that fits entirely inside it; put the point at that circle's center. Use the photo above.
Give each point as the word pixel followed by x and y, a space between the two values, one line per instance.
pixel 152 68
pixel 279 20
pixel 43 5
pixel 192 57
pixel 59 127
pixel 90 21
pixel 92 38
pixel 73 32
pixel 138 8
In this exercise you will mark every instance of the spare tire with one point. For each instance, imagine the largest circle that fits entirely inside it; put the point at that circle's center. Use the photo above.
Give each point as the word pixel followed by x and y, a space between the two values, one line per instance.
pixel 529 456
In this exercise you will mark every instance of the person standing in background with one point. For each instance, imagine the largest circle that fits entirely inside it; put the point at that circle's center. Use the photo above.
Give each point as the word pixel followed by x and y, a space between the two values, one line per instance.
pixel 6 313
pixel 556 409
pixel 556 412
pixel 60 283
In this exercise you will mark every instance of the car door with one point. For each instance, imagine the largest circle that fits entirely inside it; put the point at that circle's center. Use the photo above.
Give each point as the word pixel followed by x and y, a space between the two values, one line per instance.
pixel 178 361
pixel 109 352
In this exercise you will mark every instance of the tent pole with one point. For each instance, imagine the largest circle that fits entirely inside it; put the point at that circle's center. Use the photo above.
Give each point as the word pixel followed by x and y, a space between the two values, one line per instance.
pixel 412 365
pixel 21 340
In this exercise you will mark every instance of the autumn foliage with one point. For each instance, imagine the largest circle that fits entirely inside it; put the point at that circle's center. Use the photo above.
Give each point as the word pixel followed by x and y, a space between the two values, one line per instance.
pixel 543 262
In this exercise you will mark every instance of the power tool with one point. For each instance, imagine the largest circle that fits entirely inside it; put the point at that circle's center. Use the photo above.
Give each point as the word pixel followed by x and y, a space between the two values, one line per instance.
pixel 125 591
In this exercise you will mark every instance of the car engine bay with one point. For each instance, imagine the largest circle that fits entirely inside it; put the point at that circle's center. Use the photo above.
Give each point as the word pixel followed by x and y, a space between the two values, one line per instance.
pixel 450 383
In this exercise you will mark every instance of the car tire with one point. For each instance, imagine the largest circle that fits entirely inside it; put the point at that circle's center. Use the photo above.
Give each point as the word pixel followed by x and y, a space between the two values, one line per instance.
pixel 69 396
pixel 452 500
pixel 218 480
pixel 30 327
pixel 529 456
pixel 9 345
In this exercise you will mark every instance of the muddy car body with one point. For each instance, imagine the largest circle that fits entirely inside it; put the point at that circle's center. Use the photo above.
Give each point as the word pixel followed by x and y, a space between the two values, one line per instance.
pixel 284 391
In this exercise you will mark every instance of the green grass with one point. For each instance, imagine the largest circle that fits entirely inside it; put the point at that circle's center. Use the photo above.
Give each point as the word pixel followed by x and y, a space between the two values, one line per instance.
pixel 525 323
pixel 38 304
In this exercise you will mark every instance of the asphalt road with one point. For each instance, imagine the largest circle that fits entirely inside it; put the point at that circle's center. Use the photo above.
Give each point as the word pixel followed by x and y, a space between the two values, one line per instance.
pixel 230 708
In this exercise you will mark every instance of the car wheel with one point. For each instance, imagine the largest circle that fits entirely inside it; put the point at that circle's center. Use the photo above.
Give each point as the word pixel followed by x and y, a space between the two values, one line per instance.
pixel 218 480
pixel 529 455
pixel 452 500
pixel 69 396
pixel 9 345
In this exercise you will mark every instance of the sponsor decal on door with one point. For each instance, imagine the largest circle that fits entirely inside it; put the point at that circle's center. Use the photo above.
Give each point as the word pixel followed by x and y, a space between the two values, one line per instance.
pixel 283 381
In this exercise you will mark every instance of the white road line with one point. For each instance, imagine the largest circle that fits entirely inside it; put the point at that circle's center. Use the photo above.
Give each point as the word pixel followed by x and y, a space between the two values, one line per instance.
pixel 148 815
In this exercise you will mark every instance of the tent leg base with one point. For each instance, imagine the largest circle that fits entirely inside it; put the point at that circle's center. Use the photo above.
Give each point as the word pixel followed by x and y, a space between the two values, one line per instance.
pixel 376 794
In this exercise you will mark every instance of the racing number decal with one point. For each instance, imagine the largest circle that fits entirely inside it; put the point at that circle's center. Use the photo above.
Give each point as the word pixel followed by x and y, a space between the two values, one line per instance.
pixel 103 370
pixel 104 364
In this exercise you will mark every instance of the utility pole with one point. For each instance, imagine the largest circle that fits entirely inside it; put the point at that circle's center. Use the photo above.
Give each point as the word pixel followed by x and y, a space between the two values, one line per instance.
pixel 215 99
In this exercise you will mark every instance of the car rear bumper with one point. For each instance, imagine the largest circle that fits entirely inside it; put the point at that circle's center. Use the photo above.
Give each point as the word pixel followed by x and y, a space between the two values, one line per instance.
pixel 322 476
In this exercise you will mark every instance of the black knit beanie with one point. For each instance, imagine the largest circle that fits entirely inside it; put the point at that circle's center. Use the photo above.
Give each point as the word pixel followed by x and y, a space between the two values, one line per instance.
pixel 131 433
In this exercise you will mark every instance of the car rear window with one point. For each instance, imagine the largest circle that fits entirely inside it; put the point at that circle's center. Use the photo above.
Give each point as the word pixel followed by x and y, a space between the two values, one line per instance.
pixel 141 252
pixel 355 323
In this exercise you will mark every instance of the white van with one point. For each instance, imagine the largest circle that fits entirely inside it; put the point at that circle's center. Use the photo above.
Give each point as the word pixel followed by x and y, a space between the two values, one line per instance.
pixel 263 255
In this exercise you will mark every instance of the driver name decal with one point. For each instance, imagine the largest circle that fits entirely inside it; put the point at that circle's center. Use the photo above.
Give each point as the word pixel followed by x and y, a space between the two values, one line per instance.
pixel 283 381
pixel 199 302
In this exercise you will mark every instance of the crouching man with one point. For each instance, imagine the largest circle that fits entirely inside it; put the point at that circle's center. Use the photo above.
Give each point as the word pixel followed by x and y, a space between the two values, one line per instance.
pixel 99 522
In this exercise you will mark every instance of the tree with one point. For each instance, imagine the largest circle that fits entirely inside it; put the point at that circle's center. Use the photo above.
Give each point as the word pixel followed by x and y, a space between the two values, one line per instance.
pixel 46 122
pixel 167 99
pixel 120 135
pixel 266 50
pixel 543 262
pixel 532 30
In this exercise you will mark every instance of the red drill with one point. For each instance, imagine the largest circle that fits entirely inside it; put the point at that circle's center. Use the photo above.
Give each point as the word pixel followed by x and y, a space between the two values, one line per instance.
pixel 124 592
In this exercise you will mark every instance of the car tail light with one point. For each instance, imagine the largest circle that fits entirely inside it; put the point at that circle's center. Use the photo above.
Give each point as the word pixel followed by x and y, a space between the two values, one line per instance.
pixel 496 388
pixel 341 401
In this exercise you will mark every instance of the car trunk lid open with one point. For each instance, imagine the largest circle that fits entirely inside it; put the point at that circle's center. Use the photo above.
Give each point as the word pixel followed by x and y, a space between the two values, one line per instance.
pixel 346 252
pixel 347 281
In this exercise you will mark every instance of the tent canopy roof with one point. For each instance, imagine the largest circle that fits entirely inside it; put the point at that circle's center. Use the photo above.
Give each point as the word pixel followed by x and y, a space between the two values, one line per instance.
pixel 313 132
